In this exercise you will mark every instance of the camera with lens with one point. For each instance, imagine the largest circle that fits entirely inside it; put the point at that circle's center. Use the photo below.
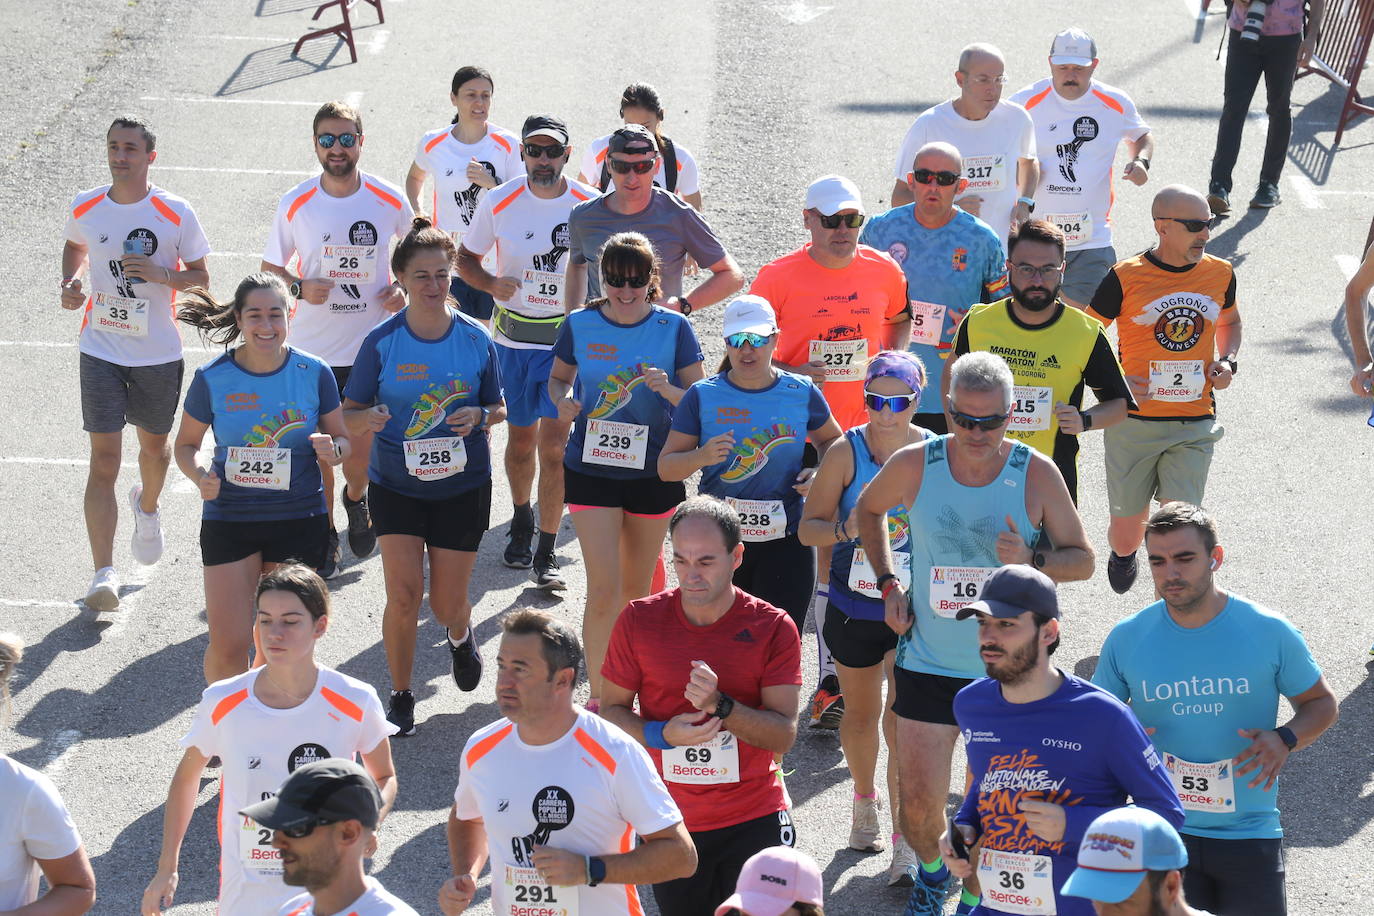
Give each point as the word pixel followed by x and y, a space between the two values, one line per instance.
pixel 1254 20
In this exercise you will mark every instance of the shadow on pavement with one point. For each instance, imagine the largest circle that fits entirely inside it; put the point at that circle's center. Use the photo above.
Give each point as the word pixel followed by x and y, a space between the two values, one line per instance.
pixel 275 64
pixel 1336 769
pixel 419 866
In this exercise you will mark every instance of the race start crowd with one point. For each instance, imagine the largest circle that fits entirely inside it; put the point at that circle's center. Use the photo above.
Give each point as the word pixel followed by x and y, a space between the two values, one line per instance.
pixel 890 446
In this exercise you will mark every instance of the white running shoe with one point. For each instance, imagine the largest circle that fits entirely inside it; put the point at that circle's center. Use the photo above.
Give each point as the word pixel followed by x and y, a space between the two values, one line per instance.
pixel 865 826
pixel 103 595
pixel 903 860
pixel 146 545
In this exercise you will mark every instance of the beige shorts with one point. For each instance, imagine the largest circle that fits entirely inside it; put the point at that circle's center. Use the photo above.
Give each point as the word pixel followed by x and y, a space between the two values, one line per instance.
pixel 1157 459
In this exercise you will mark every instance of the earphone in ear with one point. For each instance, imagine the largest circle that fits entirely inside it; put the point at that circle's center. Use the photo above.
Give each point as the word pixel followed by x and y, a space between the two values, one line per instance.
pixel 1214 564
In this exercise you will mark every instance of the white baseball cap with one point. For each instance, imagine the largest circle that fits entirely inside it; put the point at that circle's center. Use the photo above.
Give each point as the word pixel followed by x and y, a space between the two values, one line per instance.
pixel 1073 47
pixel 1117 851
pixel 831 194
pixel 750 313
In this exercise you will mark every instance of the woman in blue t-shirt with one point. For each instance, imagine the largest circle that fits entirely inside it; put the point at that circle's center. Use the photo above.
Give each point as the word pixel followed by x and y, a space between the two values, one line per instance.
pixel 427 385
pixel 620 366
pixel 275 415
pixel 746 429
pixel 863 646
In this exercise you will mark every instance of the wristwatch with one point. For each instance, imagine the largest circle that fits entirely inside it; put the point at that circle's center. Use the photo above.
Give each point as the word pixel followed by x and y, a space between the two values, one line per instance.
pixel 485 413
pixel 1145 163
pixel 724 706
pixel 1286 735
pixel 596 870
pixel 1087 420
pixel 684 305
pixel 1028 201
pixel 883 578
pixel 295 289
pixel 1231 361
pixel 1038 560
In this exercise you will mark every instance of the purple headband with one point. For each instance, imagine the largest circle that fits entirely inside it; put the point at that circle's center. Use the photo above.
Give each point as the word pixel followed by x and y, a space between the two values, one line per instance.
pixel 899 364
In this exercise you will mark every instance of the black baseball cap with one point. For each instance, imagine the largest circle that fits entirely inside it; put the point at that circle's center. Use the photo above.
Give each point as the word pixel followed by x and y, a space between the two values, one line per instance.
pixel 632 140
pixel 333 789
pixel 545 126
pixel 1013 590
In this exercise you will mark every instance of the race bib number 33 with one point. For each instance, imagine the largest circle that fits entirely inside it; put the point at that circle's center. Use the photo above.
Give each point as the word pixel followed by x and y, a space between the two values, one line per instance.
pixel 119 314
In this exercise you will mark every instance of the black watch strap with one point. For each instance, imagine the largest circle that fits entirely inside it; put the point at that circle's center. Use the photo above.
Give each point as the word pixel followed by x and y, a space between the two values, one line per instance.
pixel 596 871
pixel 1087 420
pixel 1231 361
pixel 685 305
pixel 295 289
pixel 724 706
pixel 883 578
pixel 1286 735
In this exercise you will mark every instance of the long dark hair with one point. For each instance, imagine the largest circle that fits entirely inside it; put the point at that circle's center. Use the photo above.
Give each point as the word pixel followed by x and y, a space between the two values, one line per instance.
pixel 642 95
pixel 628 254
pixel 217 321
pixel 466 74
pixel 421 237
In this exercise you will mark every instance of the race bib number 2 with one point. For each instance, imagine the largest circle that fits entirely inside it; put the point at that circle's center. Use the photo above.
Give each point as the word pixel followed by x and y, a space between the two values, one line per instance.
pixel 528 894
pixel 1176 379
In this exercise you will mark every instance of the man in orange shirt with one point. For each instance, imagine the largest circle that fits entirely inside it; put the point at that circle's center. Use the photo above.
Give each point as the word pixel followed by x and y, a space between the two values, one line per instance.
pixel 838 303
pixel 1176 310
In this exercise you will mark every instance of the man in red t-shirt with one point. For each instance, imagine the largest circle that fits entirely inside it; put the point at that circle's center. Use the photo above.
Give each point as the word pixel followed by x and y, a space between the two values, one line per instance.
pixel 718 677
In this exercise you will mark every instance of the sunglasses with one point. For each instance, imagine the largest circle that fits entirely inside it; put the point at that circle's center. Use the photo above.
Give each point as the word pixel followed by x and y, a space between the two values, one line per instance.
pixel 893 402
pixel 986 424
pixel 1027 272
pixel 943 178
pixel 638 282
pixel 548 151
pixel 347 141
pixel 735 341
pixel 1194 225
pixel 303 830
pixel 621 167
pixel 852 220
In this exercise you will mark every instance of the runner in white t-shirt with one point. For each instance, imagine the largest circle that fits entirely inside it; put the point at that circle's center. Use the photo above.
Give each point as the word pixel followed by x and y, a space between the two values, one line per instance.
pixel 37 836
pixel 556 796
pixel 995 137
pixel 525 221
pixel 639 104
pixel 339 225
pixel 466 159
pixel 263 725
pixel 1078 124
pixel 141 245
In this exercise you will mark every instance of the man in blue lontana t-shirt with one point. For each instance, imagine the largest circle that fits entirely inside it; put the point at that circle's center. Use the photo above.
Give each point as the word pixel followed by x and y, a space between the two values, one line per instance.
pixel 1049 752
pixel 1203 670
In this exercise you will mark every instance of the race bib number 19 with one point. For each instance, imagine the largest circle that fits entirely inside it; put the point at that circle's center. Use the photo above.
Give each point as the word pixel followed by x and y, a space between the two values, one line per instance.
pixel 541 291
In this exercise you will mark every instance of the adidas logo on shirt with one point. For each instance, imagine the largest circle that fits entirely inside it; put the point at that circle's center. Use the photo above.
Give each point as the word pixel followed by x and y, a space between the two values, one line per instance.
pixel 1049 362
pixel 744 636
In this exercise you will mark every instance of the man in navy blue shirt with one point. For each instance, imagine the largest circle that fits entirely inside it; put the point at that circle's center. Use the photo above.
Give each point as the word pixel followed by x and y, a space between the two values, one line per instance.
pixel 1049 752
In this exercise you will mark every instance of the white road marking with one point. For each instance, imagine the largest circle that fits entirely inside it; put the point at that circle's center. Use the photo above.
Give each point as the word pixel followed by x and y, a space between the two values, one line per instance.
pixel 35 602
pixel 1348 264
pixel 1194 8
pixel 197 99
pixel 799 12
pixel 1306 191
pixel 63 743
pixel 201 168
pixel 51 344
pixel 265 39
pixel 60 462
pixel 353 99
pixel 378 42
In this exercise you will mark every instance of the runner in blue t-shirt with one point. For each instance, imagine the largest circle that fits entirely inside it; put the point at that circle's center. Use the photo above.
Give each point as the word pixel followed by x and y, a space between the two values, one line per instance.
pixel 427 384
pixel 620 366
pixel 862 645
pixel 1204 670
pixel 274 411
pixel 952 260
pixel 1048 753
pixel 746 429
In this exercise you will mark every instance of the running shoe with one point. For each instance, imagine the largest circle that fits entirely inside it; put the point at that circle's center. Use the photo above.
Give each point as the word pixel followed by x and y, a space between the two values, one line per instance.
pixel 865 827
pixel 545 574
pixel 362 536
pixel 1266 196
pixel 1121 572
pixel 899 873
pixel 519 550
pixel 103 595
pixel 827 704
pixel 331 556
pixel 929 899
pixel 400 712
pixel 1219 198
pixel 467 663
pixel 146 545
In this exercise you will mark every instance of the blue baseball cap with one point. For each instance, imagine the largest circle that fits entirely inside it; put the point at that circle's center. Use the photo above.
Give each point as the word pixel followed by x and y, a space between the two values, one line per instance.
pixel 1117 851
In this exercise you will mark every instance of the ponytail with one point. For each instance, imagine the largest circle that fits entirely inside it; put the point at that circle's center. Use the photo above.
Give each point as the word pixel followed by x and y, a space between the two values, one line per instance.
pixel 217 321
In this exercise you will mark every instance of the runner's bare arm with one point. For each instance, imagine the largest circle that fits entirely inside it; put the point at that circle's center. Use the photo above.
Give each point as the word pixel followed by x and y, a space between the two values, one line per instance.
pixel 688 728
pixel 474 274
pixel 574 286
pixel 1356 322
pixel 383 771
pixel 726 279
pixel 1228 344
pixel 71 887
pixel 772 727
pixel 467 853
pixel 663 856
pixel 681 457
pixel 415 183
pixel 73 259
pixel 1072 558
pixel 901 193
pixel 194 273
pixel 314 290
pixel 176 815
pixel 817 526
pixel 1316 711
pixel 896 484
pixel 897 332
pixel 190 436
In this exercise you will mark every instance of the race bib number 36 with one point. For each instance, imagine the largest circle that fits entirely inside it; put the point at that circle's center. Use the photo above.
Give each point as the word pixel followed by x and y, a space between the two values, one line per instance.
pixel 1032 408
pixel 845 360
pixel 259 468
pixel 437 458
pixel 619 445
pixel 528 894
pixel 119 314
pixel 1176 379
pixel 350 263
pixel 952 587
pixel 1016 882
pixel 1203 786
pixel 712 763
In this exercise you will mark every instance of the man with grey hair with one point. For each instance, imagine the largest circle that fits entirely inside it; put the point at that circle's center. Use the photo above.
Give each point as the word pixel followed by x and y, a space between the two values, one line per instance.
pixel 996 137
pixel 976 501
pixel 951 259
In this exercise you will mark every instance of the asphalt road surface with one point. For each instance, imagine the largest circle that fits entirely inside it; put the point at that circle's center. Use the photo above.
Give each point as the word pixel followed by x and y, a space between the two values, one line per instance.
pixel 768 95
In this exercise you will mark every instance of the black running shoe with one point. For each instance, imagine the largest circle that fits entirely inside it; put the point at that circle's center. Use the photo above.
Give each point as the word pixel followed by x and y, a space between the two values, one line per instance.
pixel 827 705
pixel 400 712
pixel 1219 198
pixel 1121 572
pixel 331 556
pixel 545 574
pixel 467 663
pixel 1266 196
pixel 362 537
pixel 519 548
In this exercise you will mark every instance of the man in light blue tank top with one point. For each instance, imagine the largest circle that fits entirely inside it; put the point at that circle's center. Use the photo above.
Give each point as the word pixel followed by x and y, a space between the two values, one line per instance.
pixel 1204 669
pixel 978 501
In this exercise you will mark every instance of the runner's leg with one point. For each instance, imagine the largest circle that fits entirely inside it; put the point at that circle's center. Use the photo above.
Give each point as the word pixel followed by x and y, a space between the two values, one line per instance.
pixel 924 752
pixel 598 536
pixel 102 511
pixel 404 571
pixel 154 457
pixel 229 594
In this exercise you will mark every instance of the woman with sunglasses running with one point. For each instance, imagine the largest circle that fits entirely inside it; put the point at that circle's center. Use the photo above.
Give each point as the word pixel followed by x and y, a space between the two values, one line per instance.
pixel 863 646
pixel 274 412
pixel 745 429
pixel 620 366
pixel 466 158
pixel 265 724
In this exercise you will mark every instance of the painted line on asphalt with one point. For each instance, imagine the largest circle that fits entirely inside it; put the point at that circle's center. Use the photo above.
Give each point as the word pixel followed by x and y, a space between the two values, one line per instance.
pixel 378 42
pixel 60 462
pixel 59 754
pixel 226 171
pixel 1348 264
pixel 66 345
pixel 218 101
pixel 37 602
pixel 265 39
pixel 1306 191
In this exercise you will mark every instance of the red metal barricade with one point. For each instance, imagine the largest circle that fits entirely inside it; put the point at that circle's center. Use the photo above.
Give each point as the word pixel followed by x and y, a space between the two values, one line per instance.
pixel 344 29
pixel 1342 46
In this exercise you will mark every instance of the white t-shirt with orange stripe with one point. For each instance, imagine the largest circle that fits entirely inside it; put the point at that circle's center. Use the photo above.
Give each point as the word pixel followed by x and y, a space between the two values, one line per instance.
pixel 446 160
pixel 164 223
pixel 688 175
pixel 589 792
pixel 376 901
pixel 530 235
pixel 1076 142
pixel 346 239
pixel 259 747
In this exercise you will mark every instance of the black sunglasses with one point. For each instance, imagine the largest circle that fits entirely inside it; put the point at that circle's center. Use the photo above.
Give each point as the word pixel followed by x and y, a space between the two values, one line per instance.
pixel 1194 225
pixel 638 282
pixel 852 220
pixel 621 167
pixel 548 151
pixel 347 141
pixel 943 179
pixel 304 830
pixel 986 424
